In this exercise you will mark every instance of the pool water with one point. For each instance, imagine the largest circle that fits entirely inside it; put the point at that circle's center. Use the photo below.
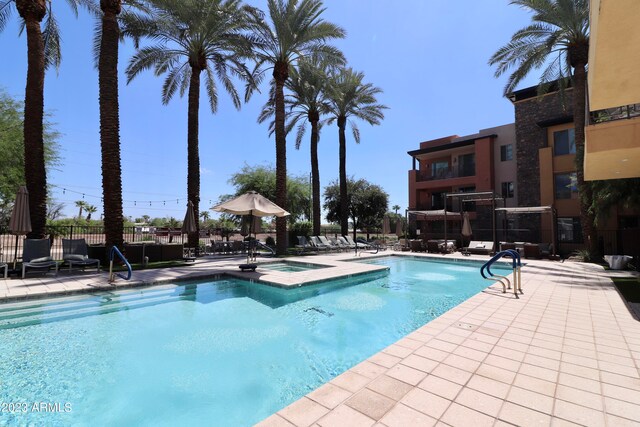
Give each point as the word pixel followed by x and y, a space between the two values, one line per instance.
pixel 224 352
pixel 291 267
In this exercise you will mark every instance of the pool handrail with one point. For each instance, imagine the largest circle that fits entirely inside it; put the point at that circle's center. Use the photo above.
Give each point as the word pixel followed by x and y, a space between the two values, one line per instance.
pixel 516 265
pixel 116 251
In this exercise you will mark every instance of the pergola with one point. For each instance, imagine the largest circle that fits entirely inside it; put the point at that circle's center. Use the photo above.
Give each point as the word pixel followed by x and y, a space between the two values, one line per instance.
pixel 536 210
pixel 482 196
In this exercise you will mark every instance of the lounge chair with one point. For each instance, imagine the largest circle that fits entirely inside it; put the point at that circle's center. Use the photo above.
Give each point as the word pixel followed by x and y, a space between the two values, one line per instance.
pixel 315 241
pixel 507 245
pixel 36 254
pixel 304 245
pixel 416 245
pixel 343 246
pixel 74 252
pixel 360 244
pixel 545 249
pixel 328 244
pixel 345 243
pixel 480 247
pixel 447 246
pixel 433 246
pixel 531 250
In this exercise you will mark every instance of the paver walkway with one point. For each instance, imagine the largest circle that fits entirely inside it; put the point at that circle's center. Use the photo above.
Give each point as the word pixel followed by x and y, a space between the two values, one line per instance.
pixel 566 353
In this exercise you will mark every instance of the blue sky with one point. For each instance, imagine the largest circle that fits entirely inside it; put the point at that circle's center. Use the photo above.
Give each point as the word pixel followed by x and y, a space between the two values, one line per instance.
pixel 429 58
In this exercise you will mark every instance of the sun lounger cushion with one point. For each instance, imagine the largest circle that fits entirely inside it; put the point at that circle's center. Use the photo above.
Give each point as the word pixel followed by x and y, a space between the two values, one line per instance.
pixel 42 259
pixel 74 257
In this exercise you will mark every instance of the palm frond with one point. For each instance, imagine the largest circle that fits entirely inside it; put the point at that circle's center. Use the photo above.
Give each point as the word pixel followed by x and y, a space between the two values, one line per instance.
pixel 5 13
pixel 212 92
pixel 51 37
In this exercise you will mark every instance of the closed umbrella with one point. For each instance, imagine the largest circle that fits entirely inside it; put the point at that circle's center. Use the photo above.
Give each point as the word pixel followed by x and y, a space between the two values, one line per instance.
pixel 466 226
pixel 399 228
pixel 20 222
pixel 189 224
pixel 252 204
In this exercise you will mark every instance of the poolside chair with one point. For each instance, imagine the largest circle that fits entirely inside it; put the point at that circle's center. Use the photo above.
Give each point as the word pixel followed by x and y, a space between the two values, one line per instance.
pixel 316 242
pixel 345 243
pixel 36 254
pixel 507 245
pixel 416 245
pixel 74 252
pixel 480 247
pixel 531 250
pixel 352 242
pixel 304 245
pixel 546 249
pixel 330 245
pixel 433 246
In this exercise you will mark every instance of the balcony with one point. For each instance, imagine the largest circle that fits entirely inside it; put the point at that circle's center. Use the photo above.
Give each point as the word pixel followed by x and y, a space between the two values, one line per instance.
pixel 422 176
pixel 612 148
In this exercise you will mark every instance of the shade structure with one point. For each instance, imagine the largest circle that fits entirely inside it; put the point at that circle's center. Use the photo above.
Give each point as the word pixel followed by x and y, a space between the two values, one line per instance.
pixel 466 225
pixel 399 227
pixel 189 224
pixel 20 222
pixel 386 228
pixel 251 203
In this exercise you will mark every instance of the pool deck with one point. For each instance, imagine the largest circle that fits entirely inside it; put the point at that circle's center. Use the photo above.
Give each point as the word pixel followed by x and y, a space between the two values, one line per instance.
pixel 566 353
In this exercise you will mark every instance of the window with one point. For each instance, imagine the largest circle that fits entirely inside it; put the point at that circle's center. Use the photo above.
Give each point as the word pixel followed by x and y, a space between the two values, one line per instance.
pixel 569 230
pixel 437 200
pixel 564 142
pixel 566 186
pixel 506 152
pixel 467 164
pixel 439 169
pixel 507 190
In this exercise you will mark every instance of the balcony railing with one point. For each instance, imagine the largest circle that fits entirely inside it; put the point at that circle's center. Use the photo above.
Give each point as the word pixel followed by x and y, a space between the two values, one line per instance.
pixel 612 114
pixel 445 174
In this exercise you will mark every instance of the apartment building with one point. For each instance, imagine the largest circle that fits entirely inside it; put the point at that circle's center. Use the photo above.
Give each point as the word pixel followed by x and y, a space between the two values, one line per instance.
pixel 482 162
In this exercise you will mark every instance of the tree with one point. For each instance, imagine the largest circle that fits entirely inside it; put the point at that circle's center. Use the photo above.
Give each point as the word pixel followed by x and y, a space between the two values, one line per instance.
pixel 614 192
pixel 262 179
pixel 558 39
pixel 350 98
pixel 194 36
pixel 54 209
pixel 396 208
pixel 146 219
pixel 12 151
pixel 296 31
pixel 90 209
pixel 366 204
pixel 43 51
pixel 80 204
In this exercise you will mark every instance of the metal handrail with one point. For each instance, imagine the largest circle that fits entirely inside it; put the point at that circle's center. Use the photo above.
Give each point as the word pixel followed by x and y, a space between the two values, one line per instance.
pixel 116 251
pixel 516 264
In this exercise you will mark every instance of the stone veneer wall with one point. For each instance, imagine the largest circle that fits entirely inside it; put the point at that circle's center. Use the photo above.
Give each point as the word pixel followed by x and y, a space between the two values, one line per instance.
pixel 530 137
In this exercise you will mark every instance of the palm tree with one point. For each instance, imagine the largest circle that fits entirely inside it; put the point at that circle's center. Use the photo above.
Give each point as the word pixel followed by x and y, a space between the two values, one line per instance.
pixel 110 123
pixel 307 102
pixel 296 31
pixel 558 39
pixel 90 209
pixel 396 208
pixel 351 98
pixel 193 36
pixel 43 51
pixel 81 204
pixel 205 217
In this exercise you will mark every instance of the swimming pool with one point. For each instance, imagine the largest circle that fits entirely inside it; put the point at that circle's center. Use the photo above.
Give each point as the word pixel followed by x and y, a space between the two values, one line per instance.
pixel 226 352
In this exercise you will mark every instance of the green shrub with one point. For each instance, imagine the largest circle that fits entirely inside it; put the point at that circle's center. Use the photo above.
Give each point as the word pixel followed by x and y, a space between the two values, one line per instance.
pixel 300 228
pixel 270 241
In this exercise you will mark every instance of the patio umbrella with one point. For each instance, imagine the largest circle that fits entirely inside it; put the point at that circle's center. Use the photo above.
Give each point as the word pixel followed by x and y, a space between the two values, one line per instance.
pixel 399 228
pixel 189 224
pixel 466 226
pixel 252 204
pixel 20 222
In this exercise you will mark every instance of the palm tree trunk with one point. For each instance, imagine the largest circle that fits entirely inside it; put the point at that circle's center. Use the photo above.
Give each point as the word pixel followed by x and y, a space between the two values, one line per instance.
pixel 589 231
pixel 344 198
pixel 193 156
pixel 315 177
pixel 110 125
pixel 33 11
pixel 280 75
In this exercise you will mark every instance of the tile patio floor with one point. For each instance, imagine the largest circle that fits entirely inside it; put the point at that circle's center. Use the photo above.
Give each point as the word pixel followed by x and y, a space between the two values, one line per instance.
pixel 566 353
